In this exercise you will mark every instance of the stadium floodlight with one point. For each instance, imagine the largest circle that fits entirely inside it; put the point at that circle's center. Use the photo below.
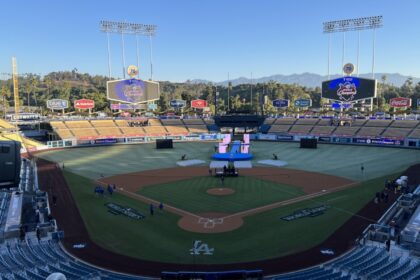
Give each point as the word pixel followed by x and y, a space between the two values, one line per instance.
pixel 122 28
pixel 354 24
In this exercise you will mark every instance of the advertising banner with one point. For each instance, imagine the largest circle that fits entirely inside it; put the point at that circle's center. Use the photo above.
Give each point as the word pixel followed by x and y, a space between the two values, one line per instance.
pixel 128 106
pixel 105 141
pixel 132 90
pixel 84 104
pixel 303 103
pixel 400 102
pixel 199 103
pixel 57 104
pixel 281 103
pixel 177 103
pixel 348 89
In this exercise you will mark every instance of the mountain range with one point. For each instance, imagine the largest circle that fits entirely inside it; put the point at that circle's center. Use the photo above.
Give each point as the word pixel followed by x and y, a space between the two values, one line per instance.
pixel 309 79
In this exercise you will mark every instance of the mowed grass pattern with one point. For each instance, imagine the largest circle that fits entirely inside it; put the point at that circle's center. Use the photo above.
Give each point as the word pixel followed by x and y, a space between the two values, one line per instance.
pixel 263 236
pixel 337 160
pixel 191 194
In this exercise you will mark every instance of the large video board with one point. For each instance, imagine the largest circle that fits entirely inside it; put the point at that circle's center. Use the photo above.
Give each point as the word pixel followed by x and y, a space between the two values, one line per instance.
pixel 348 89
pixel 132 91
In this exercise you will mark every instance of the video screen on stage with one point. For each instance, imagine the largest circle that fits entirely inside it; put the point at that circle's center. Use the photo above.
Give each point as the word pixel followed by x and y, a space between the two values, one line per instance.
pixel 347 89
pixel 132 91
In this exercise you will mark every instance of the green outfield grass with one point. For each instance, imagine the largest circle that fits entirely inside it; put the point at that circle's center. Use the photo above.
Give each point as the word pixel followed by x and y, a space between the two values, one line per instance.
pixel 262 236
pixel 249 193
pixel 338 160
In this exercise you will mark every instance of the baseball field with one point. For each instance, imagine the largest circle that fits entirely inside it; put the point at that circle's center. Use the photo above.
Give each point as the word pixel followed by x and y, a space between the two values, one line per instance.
pixel 206 222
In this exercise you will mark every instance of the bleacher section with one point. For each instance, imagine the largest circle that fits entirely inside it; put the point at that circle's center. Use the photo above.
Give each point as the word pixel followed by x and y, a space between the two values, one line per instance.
pixel 37 260
pixel 279 128
pixel 370 131
pixel 398 133
pixel 307 121
pixel 405 123
pixel 6 125
pixel 378 123
pixel 364 262
pixel 322 130
pixel 415 134
pixel 300 129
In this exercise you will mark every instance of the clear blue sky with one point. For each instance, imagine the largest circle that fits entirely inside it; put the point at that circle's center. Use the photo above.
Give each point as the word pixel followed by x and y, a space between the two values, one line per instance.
pixel 206 39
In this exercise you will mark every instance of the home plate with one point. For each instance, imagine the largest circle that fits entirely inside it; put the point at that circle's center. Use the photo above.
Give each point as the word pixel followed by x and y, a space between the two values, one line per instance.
pixel 190 162
pixel 273 162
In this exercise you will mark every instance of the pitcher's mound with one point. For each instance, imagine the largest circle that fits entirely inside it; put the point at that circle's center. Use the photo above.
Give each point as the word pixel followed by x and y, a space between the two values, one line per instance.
pixel 220 191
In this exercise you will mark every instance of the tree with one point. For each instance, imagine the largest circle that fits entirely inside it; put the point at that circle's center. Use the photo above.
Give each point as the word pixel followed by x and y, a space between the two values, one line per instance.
pixel 5 94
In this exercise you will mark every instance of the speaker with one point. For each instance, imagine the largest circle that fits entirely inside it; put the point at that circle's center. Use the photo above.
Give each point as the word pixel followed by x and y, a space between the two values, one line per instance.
pixel 164 144
pixel 308 143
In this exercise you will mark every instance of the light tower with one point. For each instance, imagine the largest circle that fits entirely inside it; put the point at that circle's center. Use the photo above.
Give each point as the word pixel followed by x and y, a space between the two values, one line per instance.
pixel 123 28
pixel 15 86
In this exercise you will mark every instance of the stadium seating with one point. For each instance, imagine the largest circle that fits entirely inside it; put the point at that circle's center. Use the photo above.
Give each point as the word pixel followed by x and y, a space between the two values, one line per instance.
pixel 300 129
pixel 405 123
pixel 358 122
pixel 378 123
pixel 415 134
pixel 279 129
pixel 269 121
pixel 322 130
pixel 85 133
pixel 307 121
pixel 345 131
pixel 103 123
pixel 197 128
pixel 133 131
pixel 370 131
pixel 285 121
pixel 78 124
pixel 364 262
pixel 37 260
pixel 193 122
pixel 394 132
pixel 175 122
pixel 6 125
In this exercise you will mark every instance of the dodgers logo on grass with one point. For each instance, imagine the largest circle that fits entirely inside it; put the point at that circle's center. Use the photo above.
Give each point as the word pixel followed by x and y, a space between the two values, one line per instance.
pixel 200 247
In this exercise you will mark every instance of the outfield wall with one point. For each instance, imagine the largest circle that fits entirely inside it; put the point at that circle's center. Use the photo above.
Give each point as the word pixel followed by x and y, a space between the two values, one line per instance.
pixel 359 141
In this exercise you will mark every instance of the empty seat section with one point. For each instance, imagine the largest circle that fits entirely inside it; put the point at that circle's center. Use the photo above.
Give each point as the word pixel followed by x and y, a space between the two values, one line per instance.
pixel 370 131
pixel 155 122
pixel 396 132
pixel 193 121
pixel 155 130
pixel 78 124
pixel 269 121
pixel 176 129
pixel 407 124
pixel 322 130
pixel 177 122
pixel 285 121
pixel 324 122
pixel 103 123
pixel 109 131
pixel 378 123
pixel 58 125
pixel 197 128
pixel 415 134
pixel 307 121
pixel 345 131
pixel 279 128
pixel 300 129
pixel 358 122
pixel 64 133
pixel 133 131
pixel 84 132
